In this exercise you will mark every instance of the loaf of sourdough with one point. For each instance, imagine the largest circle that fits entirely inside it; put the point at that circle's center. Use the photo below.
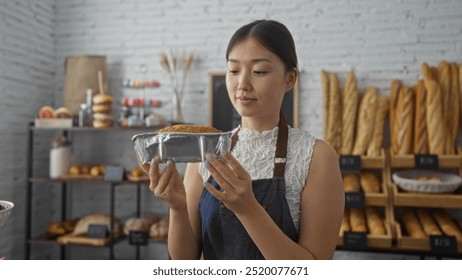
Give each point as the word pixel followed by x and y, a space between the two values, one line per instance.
pixel 350 102
pixel 436 126
pixel 375 145
pixel 420 121
pixel 394 94
pixel 375 222
pixel 412 224
pixel 366 118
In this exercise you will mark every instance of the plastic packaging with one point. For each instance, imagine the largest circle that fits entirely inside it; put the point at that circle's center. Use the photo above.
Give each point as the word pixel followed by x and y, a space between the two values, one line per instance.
pixel 60 157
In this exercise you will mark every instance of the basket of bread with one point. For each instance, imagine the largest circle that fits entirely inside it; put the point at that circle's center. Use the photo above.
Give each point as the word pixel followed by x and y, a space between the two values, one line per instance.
pixel 6 208
pixel 426 181
pixel 181 143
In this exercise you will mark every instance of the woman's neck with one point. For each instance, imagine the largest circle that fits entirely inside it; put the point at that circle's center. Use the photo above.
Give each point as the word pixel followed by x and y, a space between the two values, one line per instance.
pixel 259 124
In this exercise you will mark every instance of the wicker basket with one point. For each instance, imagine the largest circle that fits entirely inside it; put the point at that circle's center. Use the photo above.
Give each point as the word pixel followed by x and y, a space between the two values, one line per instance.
pixel 5 213
pixel 408 180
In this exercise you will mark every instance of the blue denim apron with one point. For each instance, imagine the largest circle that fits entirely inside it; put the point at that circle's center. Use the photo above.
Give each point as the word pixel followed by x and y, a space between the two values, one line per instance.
pixel 223 235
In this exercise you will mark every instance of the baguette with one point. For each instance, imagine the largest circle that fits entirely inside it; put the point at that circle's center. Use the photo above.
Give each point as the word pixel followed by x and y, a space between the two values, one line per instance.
pixel 375 145
pixel 412 225
pixel 460 94
pixel 394 92
pixel 435 121
pixel 447 224
pixel 375 222
pixel 426 71
pixel 420 123
pixel 357 220
pixel 404 121
pixel 444 81
pixel 370 183
pixel 452 116
pixel 349 112
pixel 325 97
pixel 428 225
pixel 345 226
pixel 334 129
pixel 351 183
pixel 366 120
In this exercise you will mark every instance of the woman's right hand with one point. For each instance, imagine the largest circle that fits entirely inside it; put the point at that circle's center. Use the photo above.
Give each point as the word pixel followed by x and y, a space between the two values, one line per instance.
pixel 167 184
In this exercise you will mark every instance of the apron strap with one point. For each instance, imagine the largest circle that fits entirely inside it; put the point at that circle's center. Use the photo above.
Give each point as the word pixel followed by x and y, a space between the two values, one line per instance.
pixel 280 157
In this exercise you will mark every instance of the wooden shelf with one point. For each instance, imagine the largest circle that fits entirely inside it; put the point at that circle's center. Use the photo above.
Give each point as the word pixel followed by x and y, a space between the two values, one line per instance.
pixel 84 179
pixel 401 198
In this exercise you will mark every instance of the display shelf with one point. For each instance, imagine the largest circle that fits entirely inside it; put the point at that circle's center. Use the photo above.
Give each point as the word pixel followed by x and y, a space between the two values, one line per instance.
pixel 409 161
pixel 375 241
pixel 402 198
pixel 88 179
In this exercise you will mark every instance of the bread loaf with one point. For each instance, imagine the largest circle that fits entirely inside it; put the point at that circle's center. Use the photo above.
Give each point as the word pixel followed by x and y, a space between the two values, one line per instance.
pixel 435 121
pixel 420 121
pixel 411 224
pixel 82 225
pixel 351 183
pixel 447 224
pixel 404 121
pixel 434 73
pixel 135 224
pixel 350 108
pixel 375 222
pixel 452 113
pixel 428 225
pixel 394 93
pixel 334 129
pixel 426 71
pixel 345 226
pixel 357 220
pixel 370 183
pixel 460 93
pixel 375 145
pixel 159 230
pixel 366 118
pixel 325 97
pixel 189 129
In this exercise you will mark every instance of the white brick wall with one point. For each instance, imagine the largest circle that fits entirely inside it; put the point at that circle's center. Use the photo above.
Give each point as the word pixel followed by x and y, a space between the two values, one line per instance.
pixel 380 40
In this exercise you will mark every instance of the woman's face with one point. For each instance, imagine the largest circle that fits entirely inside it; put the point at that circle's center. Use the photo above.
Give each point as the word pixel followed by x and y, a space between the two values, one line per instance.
pixel 256 81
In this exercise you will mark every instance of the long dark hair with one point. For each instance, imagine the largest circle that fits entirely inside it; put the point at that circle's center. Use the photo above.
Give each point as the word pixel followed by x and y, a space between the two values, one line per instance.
pixel 272 35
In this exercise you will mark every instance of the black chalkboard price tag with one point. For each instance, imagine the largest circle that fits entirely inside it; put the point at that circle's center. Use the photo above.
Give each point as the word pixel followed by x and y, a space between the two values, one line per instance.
pixel 138 237
pixel 355 240
pixel 97 231
pixel 350 163
pixel 443 244
pixel 355 200
pixel 114 173
pixel 424 161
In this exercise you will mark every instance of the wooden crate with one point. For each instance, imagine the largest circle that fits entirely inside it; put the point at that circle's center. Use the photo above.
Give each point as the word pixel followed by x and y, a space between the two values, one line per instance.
pixel 408 161
pixel 375 241
pixel 379 199
pixel 374 162
pixel 403 198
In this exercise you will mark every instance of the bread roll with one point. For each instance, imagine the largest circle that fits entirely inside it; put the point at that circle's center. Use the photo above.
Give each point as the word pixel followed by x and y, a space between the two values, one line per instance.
pixel 428 225
pixel 411 224
pixel 370 183
pixel 351 183
pixel 375 145
pixel 81 228
pixel 375 222
pixel 435 121
pixel 189 129
pixel 357 220
pixel 334 129
pixel 404 121
pixel 447 224
pixel 420 122
pixel 350 108
pixel 394 93
pixel 325 97
pixel 159 230
pixel 345 226
pixel 136 224
pixel 366 118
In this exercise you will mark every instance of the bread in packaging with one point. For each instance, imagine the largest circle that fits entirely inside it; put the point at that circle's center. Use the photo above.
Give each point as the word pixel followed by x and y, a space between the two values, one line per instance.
pixel 427 222
pixel 370 183
pixel 375 222
pixel 366 119
pixel 375 145
pixel 357 220
pixel 351 182
pixel 350 101
pixel 412 224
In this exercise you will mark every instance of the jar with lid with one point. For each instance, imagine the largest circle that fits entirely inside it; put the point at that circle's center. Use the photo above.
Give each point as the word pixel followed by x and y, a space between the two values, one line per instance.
pixel 60 157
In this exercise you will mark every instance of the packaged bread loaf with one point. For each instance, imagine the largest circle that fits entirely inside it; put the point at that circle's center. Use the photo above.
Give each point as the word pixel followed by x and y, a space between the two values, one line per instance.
pixel 325 96
pixel 350 102
pixel 357 220
pixel 412 224
pixel 394 92
pixel 404 121
pixel 435 119
pixel 366 118
pixel 351 182
pixel 375 222
pixel 429 226
pixel 420 121
pixel 375 145
pixel 345 226
pixel 447 224
pixel 370 183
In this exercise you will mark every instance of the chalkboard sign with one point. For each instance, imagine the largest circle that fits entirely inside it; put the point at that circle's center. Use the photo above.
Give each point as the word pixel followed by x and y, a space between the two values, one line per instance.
pixel 138 237
pixel 355 200
pixel 97 231
pixel 222 114
pixel 423 161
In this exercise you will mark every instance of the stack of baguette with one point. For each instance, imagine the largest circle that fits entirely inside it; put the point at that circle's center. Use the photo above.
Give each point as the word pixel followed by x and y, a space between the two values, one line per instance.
pixel 369 220
pixel 365 181
pixel 353 125
pixel 425 118
pixel 421 223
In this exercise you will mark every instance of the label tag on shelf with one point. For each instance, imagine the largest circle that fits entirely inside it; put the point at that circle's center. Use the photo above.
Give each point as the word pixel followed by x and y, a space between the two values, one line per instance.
pixel 424 161
pixel 443 244
pixel 355 200
pixel 355 240
pixel 114 173
pixel 97 231
pixel 350 163
pixel 138 237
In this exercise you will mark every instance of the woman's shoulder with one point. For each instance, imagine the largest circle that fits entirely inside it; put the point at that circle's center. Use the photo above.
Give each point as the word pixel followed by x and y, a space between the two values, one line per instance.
pixel 298 134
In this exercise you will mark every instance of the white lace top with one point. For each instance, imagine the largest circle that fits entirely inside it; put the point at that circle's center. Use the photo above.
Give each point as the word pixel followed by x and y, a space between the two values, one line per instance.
pixel 255 151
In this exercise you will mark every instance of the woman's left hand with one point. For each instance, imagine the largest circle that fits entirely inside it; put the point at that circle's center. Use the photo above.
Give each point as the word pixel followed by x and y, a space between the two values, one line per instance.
pixel 236 183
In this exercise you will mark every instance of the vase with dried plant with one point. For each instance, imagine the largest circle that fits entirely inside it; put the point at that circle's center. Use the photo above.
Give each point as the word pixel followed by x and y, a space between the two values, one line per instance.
pixel 177 65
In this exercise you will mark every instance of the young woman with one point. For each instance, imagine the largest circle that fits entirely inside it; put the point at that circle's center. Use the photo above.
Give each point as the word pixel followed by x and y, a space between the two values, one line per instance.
pixel 278 194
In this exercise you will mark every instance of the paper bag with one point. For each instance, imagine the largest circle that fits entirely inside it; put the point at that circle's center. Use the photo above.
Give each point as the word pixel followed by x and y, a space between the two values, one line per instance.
pixel 82 74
